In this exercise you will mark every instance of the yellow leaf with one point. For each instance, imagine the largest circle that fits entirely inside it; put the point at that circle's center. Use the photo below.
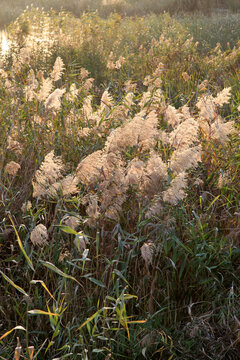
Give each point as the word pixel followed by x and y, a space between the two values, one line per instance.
pixel 41 312
pixel 44 285
pixel 9 332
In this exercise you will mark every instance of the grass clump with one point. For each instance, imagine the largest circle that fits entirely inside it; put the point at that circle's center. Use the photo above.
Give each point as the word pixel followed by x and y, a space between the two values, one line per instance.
pixel 119 180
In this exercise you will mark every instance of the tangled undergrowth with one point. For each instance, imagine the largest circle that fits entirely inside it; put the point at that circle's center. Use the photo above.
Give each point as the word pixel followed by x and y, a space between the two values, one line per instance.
pixel 119 180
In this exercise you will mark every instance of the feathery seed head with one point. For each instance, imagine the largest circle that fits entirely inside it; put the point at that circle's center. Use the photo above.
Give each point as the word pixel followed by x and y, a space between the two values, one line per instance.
pixel 182 160
pixel 84 73
pixel 45 89
pixel 58 69
pixel 46 180
pixel 207 108
pixel 54 99
pixel 223 97
pixel 12 168
pixel 176 190
pixel 39 235
pixel 71 221
pixel 147 251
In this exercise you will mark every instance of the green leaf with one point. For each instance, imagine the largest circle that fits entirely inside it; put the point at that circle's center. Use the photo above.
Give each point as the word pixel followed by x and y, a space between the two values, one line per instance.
pixel 129 296
pixel 94 315
pixel 58 271
pixel 95 281
pixel 21 245
pixel 214 200
pixel 49 345
pixel 183 246
pixel 90 319
pixel 68 230
pixel 118 273
pixel 210 177
pixel 13 284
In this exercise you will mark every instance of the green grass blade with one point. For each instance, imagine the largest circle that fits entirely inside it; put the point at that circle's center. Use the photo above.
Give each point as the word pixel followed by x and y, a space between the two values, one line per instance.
pixel 90 319
pixel 95 281
pixel 214 200
pixel 68 230
pixel 13 284
pixel 183 246
pixel 118 273
pixel 58 271
pixel 21 245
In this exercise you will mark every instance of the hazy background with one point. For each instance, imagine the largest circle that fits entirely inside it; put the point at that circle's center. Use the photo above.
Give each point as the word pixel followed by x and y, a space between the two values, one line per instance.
pixel 10 9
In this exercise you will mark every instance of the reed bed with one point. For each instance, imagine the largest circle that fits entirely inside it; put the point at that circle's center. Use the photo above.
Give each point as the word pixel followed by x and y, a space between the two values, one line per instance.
pixel 119 180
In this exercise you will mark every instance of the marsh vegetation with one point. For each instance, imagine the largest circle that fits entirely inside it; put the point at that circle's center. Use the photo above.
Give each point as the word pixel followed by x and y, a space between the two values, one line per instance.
pixel 119 183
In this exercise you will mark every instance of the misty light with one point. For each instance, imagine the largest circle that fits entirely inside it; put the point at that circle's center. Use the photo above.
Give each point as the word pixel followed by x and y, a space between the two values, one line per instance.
pixel 4 44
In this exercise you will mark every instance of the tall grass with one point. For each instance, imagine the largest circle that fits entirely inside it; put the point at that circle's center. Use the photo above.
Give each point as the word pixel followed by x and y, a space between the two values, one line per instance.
pixel 222 29
pixel 119 209
pixel 10 10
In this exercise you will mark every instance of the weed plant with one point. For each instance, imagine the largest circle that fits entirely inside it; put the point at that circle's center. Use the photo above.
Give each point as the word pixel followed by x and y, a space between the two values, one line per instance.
pixel 119 181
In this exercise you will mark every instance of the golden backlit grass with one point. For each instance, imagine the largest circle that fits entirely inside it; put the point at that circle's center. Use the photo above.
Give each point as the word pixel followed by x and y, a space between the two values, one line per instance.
pixel 119 179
